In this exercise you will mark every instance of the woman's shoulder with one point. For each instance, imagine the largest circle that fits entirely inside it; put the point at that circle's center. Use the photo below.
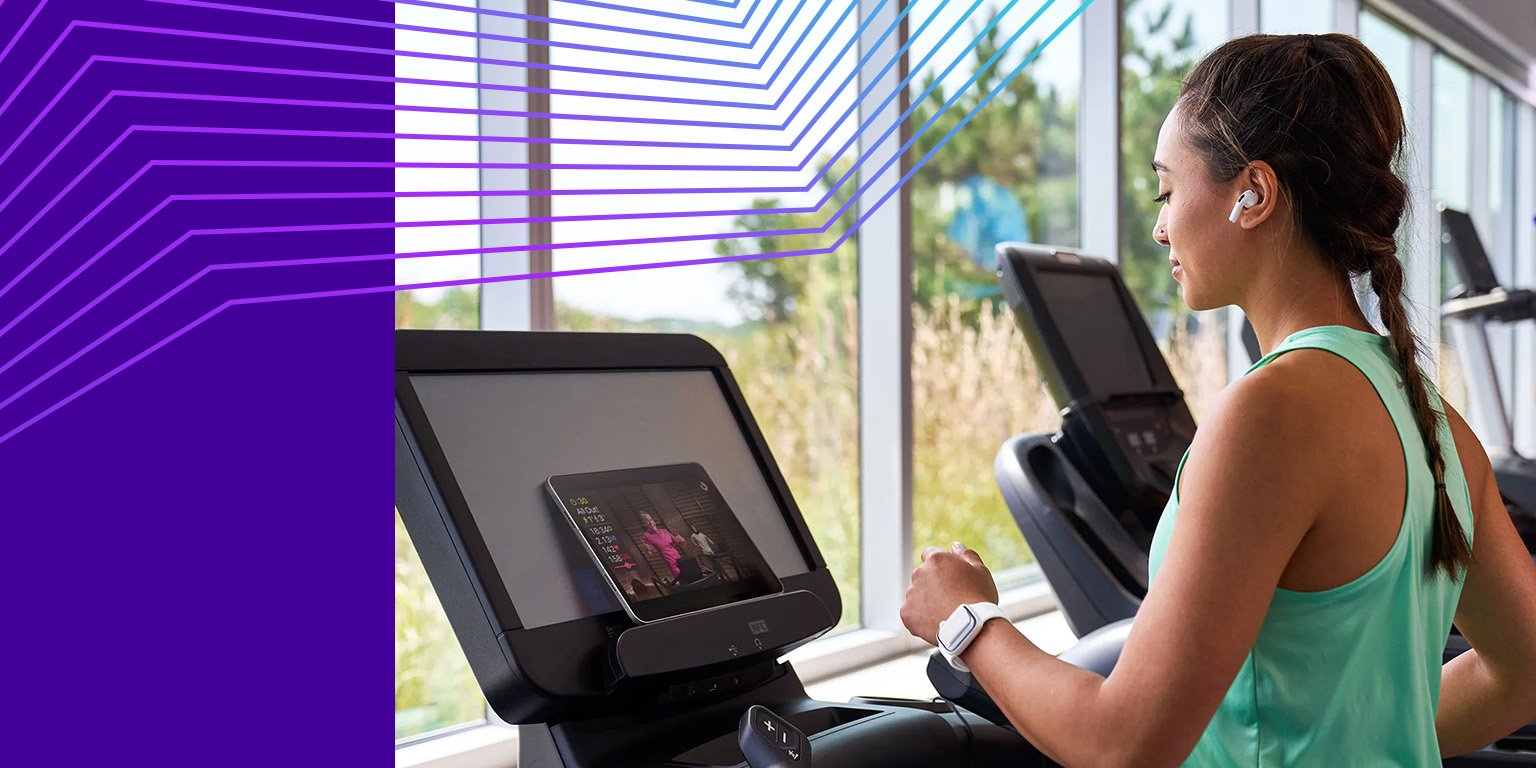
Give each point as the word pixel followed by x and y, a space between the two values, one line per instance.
pixel 1321 387
pixel 1307 411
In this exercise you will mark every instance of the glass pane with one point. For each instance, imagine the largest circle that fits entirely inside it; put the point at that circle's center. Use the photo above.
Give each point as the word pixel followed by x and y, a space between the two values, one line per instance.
pixel 787 326
pixel 1162 40
pixel 433 685
pixel 1288 17
pixel 1451 183
pixel 1502 224
pixel 1009 175
pixel 1498 231
pixel 1395 50
pixel 422 201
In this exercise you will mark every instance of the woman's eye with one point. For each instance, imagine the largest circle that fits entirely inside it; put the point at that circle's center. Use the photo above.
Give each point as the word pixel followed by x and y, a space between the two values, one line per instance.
pixel 1163 198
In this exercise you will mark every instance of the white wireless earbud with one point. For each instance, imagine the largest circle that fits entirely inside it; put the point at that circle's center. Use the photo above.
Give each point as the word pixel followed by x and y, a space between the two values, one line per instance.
pixel 1245 200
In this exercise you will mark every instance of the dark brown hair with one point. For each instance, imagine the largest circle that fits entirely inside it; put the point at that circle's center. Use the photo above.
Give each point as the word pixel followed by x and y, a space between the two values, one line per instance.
pixel 1321 110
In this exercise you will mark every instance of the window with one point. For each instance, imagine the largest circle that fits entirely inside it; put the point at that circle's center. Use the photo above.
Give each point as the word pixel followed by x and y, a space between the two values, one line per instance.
pixel 1395 50
pixel 434 688
pixel 453 307
pixel 1451 183
pixel 1498 229
pixel 787 326
pixel 1161 41
pixel 1393 47
pixel 1009 175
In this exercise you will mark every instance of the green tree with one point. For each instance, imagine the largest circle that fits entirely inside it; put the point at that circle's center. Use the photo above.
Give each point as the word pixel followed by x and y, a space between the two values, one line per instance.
pixel 775 290
pixel 1025 140
pixel 457 308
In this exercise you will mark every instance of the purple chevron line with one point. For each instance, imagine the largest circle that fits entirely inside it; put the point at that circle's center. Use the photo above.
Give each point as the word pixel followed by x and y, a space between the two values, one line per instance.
pixel 801 166
pixel 1028 24
pixel 373 78
pixel 79 73
pixel 807 187
pixel 612 7
pixel 204 411
pixel 206 4
pixel 74 24
pixel 313 45
pixel 826 196
pixel 22 30
pixel 509 62
pixel 556 21
pixel 483 280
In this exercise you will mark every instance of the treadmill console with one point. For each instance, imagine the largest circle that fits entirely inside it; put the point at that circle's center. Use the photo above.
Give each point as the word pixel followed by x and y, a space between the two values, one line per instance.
pixel 487 423
pixel 623 564
pixel 1124 421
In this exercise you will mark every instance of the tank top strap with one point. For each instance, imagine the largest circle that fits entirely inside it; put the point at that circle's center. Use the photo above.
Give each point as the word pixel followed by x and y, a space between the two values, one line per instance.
pixel 1371 354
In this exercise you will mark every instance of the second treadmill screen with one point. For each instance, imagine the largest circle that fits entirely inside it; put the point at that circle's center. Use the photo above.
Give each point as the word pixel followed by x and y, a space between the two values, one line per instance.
pixel 1092 320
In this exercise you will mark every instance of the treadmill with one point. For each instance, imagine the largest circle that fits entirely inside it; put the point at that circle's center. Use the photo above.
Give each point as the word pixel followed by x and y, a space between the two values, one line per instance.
pixel 1087 498
pixel 1471 308
pixel 483 420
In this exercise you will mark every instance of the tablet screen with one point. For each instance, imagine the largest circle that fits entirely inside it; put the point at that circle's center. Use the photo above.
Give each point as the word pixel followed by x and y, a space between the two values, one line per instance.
pixel 664 537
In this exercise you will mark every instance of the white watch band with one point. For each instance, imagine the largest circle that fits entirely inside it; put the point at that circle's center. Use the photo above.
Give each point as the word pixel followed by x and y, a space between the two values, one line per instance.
pixel 958 631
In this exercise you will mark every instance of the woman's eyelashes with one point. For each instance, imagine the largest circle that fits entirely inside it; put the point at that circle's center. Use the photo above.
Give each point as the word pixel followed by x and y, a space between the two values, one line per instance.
pixel 1163 198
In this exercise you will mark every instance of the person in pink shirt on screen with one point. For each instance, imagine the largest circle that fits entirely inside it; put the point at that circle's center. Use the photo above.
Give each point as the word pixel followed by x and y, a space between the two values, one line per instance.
pixel 663 542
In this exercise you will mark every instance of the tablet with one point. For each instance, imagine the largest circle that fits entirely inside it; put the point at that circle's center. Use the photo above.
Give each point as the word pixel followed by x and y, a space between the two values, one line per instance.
pixel 664 538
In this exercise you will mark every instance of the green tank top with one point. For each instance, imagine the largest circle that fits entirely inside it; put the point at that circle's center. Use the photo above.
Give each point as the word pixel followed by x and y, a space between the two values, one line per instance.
pixel 1349 675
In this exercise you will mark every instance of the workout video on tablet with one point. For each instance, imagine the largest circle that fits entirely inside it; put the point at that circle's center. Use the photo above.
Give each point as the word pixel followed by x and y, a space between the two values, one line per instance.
pixel 664 538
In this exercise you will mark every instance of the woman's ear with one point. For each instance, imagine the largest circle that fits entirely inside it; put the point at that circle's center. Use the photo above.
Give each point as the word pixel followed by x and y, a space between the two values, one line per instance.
pixel 1259 177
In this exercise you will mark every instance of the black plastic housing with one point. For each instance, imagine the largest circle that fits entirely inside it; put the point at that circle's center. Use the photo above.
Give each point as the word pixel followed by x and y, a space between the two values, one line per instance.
pixel 1102 431
pixel 593 666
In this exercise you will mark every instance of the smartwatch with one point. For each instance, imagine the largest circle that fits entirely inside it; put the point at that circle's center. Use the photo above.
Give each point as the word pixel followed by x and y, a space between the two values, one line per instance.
pixel 962 626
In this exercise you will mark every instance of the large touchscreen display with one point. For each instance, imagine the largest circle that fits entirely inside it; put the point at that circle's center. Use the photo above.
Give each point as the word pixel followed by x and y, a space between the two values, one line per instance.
pixel 664 538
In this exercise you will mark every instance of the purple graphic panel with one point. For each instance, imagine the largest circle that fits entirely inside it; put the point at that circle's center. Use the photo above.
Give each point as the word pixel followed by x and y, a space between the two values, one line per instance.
pixel 199 545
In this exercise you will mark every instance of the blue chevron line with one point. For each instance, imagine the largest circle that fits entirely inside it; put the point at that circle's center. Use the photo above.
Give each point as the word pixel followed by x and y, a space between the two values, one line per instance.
pixel 557 21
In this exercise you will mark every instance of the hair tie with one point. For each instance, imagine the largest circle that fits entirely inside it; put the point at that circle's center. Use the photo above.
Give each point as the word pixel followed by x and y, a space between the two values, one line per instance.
pixel 1441 486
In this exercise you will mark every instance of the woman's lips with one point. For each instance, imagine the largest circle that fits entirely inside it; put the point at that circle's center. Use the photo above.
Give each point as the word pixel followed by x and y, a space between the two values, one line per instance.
pixel 1177 270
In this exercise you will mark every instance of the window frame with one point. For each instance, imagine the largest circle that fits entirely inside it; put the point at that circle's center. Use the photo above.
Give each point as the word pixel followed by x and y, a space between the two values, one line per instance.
pixel 885 289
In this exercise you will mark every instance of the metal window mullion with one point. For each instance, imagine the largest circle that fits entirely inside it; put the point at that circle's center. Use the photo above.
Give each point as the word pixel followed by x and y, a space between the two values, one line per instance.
pixel 1346 17
pixel 1098 125
pixel 1422 262
pixel 1245 17
pixel 514 304
pixel 885 335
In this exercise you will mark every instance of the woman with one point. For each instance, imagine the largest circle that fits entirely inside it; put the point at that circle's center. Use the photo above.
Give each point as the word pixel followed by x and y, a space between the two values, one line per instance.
pixel 1318 545
pixel 662 542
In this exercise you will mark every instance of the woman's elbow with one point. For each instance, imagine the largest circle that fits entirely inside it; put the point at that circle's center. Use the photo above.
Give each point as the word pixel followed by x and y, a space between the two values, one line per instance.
pixel 1158 747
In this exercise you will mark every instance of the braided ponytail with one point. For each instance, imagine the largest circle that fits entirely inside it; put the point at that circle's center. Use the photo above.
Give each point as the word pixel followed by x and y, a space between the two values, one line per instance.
pixel 1448 549
pixel 1321 110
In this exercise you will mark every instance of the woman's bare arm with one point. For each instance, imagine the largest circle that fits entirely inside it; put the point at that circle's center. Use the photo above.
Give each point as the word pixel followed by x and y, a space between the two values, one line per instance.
pixel 1237 530
pixel 1489 691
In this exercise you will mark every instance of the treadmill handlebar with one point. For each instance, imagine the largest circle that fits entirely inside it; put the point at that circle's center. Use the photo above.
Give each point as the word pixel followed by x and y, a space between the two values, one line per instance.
pixel 1499 305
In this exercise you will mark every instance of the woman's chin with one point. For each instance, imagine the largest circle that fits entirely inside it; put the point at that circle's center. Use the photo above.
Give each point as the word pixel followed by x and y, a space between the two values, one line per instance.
pixel 1193 299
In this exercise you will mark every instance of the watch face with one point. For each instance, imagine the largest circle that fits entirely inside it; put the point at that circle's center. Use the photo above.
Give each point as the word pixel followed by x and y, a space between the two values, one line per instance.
pixel 956 628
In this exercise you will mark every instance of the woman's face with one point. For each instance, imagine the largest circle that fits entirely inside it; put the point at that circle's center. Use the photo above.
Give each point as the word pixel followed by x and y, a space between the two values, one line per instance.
pixel 650 522
pixel 1203 246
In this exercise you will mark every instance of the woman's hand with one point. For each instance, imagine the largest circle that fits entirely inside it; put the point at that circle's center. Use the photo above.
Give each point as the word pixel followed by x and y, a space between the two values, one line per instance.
pixel 944 582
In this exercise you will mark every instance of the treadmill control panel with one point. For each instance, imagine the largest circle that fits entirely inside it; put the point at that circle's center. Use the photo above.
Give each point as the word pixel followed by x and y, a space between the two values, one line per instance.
pixel 1149 442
